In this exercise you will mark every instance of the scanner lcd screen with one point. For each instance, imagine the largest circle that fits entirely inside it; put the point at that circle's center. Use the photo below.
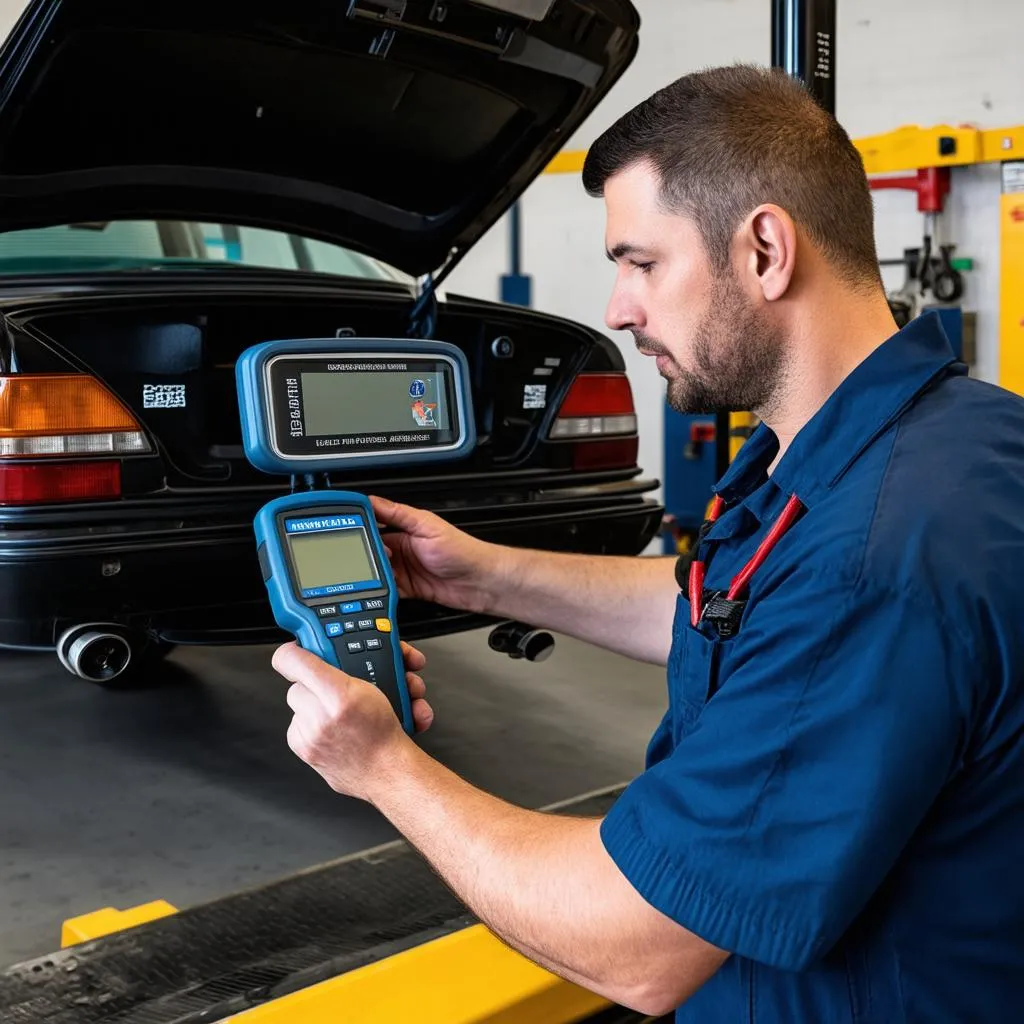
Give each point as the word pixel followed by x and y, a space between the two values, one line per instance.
pixel 373 403
pixel 335 409
pixel 331 558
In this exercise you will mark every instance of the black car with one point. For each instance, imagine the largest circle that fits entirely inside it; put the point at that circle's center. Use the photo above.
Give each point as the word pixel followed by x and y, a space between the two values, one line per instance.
pixel 180 180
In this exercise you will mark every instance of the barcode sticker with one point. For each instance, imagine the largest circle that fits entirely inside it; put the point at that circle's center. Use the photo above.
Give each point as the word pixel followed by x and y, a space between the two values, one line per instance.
pixel 535 396
pixel 163 396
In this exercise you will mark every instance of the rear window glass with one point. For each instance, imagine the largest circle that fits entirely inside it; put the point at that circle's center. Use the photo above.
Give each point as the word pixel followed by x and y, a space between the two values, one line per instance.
pixel 132 244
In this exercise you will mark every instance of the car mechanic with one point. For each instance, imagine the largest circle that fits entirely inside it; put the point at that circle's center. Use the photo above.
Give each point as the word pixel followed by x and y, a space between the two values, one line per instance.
pixel 830 822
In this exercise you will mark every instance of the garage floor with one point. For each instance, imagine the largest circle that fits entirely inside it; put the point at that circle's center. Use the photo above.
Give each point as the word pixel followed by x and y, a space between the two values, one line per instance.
pixel 187 790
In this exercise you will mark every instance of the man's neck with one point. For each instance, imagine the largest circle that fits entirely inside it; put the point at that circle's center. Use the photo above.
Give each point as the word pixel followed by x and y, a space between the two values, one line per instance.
pixel 826 345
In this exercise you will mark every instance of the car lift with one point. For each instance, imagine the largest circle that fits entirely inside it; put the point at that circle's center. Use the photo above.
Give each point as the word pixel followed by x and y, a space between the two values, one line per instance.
pixel 377 937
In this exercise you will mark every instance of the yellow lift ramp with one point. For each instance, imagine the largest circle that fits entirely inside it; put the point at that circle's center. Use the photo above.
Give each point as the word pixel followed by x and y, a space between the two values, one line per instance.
pixel 373 937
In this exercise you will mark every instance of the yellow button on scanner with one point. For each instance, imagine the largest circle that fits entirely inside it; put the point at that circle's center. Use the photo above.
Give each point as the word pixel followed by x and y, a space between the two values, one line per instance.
pixel 383 625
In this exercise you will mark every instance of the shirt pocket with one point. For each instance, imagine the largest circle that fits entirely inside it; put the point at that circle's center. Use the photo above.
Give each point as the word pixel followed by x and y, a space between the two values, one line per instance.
pixel 689 671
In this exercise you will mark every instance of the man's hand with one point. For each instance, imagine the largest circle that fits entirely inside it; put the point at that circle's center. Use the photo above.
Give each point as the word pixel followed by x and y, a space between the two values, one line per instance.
pixel 435 561
pixel 344 728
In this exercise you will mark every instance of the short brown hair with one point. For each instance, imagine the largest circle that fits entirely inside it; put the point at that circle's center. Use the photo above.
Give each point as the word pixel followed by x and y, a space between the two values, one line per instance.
pixel 726 140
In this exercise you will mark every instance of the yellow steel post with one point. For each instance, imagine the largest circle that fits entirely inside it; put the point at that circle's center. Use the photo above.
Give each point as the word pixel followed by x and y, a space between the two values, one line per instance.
pixel 1011 301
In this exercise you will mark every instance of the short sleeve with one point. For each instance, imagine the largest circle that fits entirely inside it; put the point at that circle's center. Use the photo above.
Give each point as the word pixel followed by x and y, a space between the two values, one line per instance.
pixel 837 721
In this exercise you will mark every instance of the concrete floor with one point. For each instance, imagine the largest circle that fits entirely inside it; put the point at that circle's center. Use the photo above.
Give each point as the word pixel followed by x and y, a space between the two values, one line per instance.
pixel 187 790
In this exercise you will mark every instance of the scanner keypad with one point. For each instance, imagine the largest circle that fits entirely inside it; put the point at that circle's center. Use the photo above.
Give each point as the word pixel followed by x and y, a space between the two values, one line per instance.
pixel 355 635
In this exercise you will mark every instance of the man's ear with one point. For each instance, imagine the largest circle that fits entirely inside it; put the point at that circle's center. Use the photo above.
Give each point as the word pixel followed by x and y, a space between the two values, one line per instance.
pixel 769 239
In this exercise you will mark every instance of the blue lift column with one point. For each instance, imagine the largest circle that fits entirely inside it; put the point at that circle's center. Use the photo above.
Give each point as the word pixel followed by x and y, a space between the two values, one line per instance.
pixel 516 287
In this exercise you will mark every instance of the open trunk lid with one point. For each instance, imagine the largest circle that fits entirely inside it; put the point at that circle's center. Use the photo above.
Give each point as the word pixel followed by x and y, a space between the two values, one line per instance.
pixel 399 128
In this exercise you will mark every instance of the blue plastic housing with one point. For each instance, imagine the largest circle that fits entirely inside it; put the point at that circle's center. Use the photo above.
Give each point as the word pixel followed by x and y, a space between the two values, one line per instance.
pixel 292 615
pixel 255 413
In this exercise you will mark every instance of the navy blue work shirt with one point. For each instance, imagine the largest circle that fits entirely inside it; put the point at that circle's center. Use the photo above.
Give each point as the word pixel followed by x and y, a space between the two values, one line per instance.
pixel 836 794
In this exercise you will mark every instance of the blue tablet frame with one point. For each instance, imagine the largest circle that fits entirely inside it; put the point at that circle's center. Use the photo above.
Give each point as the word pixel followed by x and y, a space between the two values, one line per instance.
pixel 253 407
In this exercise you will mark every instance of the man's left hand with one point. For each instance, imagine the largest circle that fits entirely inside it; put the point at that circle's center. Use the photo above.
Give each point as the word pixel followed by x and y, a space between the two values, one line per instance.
pixel 344 728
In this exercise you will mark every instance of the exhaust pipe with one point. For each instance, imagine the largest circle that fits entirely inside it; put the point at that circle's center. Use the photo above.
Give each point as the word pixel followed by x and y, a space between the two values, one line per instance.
pixel 96 651
pixel 519 640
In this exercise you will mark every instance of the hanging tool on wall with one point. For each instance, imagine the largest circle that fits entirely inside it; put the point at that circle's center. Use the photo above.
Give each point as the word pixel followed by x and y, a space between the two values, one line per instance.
pixel 931 272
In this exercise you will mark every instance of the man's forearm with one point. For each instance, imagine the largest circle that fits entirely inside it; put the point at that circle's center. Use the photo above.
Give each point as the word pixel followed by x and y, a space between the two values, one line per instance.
pixel 543 884
pixel 513 835
pixel 620 603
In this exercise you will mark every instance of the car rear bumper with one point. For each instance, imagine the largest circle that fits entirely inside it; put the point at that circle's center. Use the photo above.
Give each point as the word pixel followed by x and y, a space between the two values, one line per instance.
pixel 188 573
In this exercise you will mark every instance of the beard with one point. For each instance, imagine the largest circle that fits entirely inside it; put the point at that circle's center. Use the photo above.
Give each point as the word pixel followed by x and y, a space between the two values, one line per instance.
pixel 738 355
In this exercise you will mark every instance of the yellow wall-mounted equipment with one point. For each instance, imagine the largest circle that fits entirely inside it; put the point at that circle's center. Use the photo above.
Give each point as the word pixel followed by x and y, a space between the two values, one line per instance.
pixel 1011 278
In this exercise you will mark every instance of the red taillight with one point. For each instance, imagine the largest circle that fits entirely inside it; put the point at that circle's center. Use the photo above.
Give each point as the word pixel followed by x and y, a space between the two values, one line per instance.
pixel 66 481
pixel 597 405
pixel 598 394
pixel 46 417
pixel 618 453
pixel 598 415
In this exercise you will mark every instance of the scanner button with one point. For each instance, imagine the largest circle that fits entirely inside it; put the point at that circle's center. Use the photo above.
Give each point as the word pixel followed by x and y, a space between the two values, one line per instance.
pixel 351 607
pixel 327 611
pixel 355 646
pixel 373 644
pixel 366 623
pixel 333 628
pixel 376 605
pixel 383 625
pixel 350 625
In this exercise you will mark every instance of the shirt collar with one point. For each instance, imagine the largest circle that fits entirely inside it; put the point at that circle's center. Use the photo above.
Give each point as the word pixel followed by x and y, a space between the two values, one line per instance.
pixel 864 405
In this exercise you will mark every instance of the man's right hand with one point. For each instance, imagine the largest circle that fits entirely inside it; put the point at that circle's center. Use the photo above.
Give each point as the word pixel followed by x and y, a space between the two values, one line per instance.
pixel 435 561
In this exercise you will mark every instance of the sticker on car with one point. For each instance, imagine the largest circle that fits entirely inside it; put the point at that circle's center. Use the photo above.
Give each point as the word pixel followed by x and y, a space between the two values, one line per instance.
pixel 163 396
pixel 535 396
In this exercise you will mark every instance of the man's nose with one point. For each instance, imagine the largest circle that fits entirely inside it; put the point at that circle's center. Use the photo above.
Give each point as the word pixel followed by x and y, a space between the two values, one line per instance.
pixel 621 313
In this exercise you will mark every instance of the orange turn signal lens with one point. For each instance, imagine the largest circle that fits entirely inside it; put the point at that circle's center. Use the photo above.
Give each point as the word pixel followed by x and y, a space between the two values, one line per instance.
pixel 34 405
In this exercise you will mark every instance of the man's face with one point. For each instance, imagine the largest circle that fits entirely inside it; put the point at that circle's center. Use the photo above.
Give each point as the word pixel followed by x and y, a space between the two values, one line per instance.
pixel 713 344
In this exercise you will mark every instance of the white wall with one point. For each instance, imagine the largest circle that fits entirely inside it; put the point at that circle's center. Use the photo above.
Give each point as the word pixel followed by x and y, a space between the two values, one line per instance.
pixel 898 62
pixel 10 11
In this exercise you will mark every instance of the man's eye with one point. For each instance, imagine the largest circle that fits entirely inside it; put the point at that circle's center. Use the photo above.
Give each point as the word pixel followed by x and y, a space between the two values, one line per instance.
pixel 644 268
